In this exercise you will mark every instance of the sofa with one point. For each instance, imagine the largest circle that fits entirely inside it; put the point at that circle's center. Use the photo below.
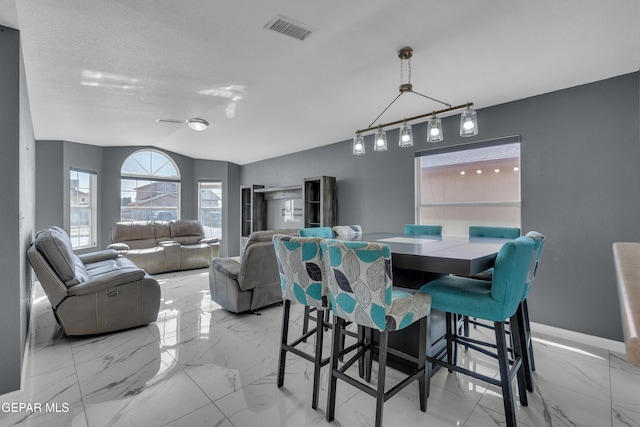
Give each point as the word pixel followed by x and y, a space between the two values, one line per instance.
pixel 161 246
pixel 92 293
pixel 251 281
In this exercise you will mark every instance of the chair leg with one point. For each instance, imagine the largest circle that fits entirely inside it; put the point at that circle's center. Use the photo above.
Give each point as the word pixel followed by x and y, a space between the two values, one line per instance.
pixel 333 380
pixel 450 318
pixel 422 362
pixel 523 338
pixel 282 358
pixel 382 368
pixel 520 353
pixel 527 328
pixel 317 361
pixel 368 355
pixel 305 321
pixel 503 363
pixel 361 363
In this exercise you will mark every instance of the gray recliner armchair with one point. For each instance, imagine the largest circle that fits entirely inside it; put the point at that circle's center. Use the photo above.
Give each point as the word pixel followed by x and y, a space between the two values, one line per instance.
pixel 252 281
pixel 92 293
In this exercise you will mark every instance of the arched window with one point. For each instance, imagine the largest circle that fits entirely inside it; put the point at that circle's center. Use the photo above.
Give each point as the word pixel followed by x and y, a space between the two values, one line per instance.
pixel 149 187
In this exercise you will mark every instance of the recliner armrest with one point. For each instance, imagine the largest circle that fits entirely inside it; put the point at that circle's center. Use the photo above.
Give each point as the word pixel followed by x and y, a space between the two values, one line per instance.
pixel 209 240
pixel 119 247
pixel 227 266
pixel 107 280
pixel 98 256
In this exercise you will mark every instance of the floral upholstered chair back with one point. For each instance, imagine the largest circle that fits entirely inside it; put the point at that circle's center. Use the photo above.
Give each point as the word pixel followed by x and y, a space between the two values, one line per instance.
pixel 359 281
pixel 300 268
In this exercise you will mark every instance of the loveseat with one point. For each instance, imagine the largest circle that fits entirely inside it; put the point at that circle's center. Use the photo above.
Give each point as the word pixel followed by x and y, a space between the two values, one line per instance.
pixel 251 281
pixel 92 293
pixel 161 246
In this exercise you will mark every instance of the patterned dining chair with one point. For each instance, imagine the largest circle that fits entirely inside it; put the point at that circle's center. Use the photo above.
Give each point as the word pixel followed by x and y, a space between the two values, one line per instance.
pixel 495 301
pixel 360 285
pixel 423 229
pixel 301 280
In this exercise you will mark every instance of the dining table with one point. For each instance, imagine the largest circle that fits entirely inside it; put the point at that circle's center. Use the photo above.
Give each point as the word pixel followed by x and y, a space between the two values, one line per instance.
pixel 418 259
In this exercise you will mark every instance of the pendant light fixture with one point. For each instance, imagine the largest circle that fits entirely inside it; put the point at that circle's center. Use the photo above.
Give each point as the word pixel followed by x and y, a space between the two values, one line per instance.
pixel 358 145
pixel 468 122
pixel 468 119
pixel 406 135
pixel 380 143
pixel 434 129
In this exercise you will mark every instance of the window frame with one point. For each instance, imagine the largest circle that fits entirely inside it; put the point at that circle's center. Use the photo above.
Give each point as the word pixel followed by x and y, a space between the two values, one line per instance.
pixel 209 230
pixel 92 217
pixel 160 212
pixel 511 139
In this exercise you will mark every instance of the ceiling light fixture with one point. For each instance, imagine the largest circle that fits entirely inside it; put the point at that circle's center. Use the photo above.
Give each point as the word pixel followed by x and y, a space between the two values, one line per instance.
pixel 468 119
pixel 198 124
pixel 194 123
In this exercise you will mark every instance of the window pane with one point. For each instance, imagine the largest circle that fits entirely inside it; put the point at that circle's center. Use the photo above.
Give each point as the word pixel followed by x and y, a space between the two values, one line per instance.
pixel 210 207
pixel 479 186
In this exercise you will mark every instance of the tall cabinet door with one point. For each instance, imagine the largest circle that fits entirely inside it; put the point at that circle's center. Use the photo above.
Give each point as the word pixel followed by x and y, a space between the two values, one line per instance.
pixel 252 210
pixel 319 195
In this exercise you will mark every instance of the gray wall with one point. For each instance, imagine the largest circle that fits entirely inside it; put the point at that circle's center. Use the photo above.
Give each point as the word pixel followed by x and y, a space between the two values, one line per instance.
pixel 580 153
pixel 17 162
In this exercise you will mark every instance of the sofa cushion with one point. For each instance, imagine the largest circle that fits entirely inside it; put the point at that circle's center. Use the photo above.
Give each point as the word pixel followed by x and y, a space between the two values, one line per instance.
pixel 186 232
pixel 132 230
pixel 55 247
pixel 161 231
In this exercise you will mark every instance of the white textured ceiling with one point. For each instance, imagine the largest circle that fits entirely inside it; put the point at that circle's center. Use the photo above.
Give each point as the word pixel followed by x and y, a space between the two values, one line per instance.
pixel 101 72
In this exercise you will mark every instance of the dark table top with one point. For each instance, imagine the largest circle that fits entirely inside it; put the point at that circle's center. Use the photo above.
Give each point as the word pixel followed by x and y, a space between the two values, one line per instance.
pixel 438 254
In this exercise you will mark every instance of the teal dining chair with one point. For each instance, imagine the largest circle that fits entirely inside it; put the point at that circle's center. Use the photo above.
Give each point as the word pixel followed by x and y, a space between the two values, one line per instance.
pixel 496 301
pixel 423 229
pixel 360 288
pixel 489 232
pixel 323 232
pixel 495 232
pixel 523 309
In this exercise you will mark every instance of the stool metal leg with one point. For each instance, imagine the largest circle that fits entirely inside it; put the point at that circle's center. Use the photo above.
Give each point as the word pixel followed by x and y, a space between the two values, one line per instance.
pixel 305 321
pixel 282 358
pixel 422 362
pixel 382 368
pixel 318 361
pixel 520 353
pixel 335 355
pixel 505 378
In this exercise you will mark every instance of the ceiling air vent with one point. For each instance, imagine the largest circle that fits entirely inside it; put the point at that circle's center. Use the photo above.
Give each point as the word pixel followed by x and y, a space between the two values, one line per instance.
pixel 288 27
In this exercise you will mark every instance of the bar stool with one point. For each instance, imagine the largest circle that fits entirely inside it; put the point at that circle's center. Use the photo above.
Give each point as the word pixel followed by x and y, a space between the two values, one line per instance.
pixel 325 233
pixel 301 279
pixel 361 290
pixel 494 301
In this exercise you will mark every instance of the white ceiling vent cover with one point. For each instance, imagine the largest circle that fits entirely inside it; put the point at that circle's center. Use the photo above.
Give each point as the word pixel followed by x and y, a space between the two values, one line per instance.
pixel 289 27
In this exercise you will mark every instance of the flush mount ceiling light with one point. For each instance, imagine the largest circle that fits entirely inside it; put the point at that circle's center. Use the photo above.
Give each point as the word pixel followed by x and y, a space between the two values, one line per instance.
pixel 468 119
pixel 194 123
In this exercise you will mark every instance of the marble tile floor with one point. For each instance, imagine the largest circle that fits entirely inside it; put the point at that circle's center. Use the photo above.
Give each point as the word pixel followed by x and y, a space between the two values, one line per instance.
pixel 199 365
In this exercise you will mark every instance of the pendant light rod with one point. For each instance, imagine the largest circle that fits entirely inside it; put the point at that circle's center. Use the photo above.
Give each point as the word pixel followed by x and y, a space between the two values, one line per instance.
pixel 445 110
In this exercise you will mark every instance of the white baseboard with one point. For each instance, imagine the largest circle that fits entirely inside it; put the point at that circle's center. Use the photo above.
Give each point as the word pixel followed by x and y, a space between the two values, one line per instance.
pixel 611 345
